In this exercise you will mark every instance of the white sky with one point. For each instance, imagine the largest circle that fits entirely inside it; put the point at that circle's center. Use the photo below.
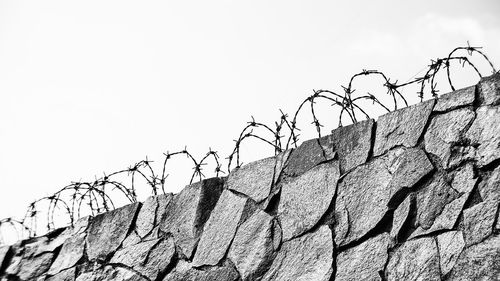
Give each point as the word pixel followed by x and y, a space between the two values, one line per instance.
pixel 88 87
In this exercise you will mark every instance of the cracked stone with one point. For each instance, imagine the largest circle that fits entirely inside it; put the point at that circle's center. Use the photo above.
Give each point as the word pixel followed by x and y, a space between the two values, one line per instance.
pixel 281 160
pixel 309 154
pixel 352 144
pixel 109 272
pixel 341 221
pixel 401 215
pixel 479 262
pixel 149 258
pixel 132 239
pixel 402 127
pixel 432 199
pixel 489 90
pixel 3 253
pixel 71 252
pixel 145 221
pixel 447 219
pixel 455 99
pixel 308 257
pixel 185 272
pixel 220 229
pixel 478 221
pixel 445 130
pixel 65 275
pixel 450 245
pixel 484 133
pixel 305 199
pixel 188 211
pixel 489 187
pixel 253 179
pixel 253 245
pixel 363 262
pixel 464 179
pixel 366 193
pixel 108 230
pixel 415 260
pixel 32 267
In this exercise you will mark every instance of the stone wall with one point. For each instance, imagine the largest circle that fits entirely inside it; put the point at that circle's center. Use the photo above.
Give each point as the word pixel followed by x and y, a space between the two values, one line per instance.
pixel 413 196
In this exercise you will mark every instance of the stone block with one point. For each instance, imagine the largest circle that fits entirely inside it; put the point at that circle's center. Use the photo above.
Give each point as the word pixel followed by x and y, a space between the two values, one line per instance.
pixel 489 90
pixel 450 245
pixel 253 179
pixel 309 154
pixel 484 133
pixel 455 99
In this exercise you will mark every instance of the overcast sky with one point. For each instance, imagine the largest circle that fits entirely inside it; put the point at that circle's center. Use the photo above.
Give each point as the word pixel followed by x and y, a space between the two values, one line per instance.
pixel 88 87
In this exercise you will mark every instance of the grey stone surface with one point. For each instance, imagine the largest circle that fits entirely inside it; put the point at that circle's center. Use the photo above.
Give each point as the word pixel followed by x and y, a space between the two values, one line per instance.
pixel 32 267
pixel 145 221
pixel 445 130
pixel 71 252
pixel 186 215
pixel 363 262
pixel 489 90
pixel 352 144
pixel 489 187
pixel 432 199
pixel 309 154
pixel 458 98
pixel 220 229
pixel 401 215
pixel 253 245
pixel 108 272
pixel 415 260
pixel 464 179
pixel 447 219
pixel 279 167
pixel 185 272
pixel 3 253
pixel 365 194
pixel 107 231
pixel 402 127
pixel 253 179
pixel 478 222
pixel 308 257
pixel 149 258
pixel 306 198
pixel 65 275
pixel 450 245
pixel 479 262
pixel 484 134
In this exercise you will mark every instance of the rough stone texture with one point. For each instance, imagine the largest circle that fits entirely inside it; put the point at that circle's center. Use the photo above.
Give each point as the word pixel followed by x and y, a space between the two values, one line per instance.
pixel 450 245
pixel 220 229
pixel 363 262
pixel 65 275
pixel 464 179
pixel 308 257
pixel 415 260
pixel 309 154
pixel 305 199
pixel 484 133
pixel 479 262
pixel 32 267
pixel 352 144
pixel 186 215
pixel 253 179
pixel 71 252
pixel 489 188
pixel 114 273
pixel 458 98
pixel 401 215
pixel 445 130
pixel 185 272
pixel 145 221
pixel 478 221
pixel 149 258
pixel 489 90
pixel 3 253
pixel 253 245
pixel 432 199
pixel 402 127
pixel 107 231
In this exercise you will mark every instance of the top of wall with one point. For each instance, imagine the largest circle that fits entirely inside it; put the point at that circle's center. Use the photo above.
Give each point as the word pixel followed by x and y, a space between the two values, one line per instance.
pixel 413 196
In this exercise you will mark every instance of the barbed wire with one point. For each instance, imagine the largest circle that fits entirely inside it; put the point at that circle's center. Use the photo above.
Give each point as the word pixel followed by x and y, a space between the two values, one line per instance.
pixel 94 197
